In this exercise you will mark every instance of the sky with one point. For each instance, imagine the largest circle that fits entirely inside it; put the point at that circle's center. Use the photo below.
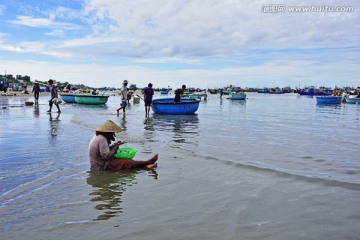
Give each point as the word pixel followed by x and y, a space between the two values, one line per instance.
pixel 200 43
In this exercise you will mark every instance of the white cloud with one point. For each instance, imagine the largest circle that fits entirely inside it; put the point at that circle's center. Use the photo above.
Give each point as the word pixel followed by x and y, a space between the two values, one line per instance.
pixel 42 23
pixel 32 22
pixel 273 73
pixel 35 48
pixel 193 29
pixel 222 27
pixel 202 42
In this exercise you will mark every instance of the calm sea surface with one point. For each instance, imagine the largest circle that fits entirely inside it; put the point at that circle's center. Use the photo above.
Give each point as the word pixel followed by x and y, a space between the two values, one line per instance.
pixel 271 167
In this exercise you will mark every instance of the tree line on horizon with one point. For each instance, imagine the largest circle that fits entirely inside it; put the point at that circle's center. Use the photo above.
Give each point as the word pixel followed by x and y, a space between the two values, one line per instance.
pixel 26 80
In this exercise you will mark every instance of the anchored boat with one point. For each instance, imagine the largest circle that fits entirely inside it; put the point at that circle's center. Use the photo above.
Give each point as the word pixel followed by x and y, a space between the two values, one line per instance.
pixel 68 97
pixel 168 106
pixel 91 99
pixel 237 96
pixel 352 100
pixel 329 99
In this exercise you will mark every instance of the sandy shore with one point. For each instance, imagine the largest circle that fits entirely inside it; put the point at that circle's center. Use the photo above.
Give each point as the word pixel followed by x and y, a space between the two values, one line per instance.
pixel 20 94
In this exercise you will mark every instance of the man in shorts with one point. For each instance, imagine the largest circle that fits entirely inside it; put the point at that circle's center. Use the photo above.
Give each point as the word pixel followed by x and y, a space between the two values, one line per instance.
pixel 123 93
pixel 148 95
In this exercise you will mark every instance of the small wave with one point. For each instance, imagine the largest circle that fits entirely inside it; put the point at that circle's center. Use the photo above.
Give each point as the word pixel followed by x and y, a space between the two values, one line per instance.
pixel 295 175
pixel 30 187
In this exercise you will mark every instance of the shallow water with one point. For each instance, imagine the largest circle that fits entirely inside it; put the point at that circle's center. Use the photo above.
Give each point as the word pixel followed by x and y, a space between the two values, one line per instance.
pixel 270 167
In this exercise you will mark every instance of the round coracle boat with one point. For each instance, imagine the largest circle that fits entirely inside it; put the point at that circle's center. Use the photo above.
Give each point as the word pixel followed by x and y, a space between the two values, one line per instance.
pixel 168 106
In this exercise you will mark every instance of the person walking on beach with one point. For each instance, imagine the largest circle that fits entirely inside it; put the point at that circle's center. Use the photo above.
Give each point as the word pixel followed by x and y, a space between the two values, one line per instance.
pixel 179 93
pixel 148 95
pixel 101 152
pixel 123 93
pixel 54 96
pixel 36 91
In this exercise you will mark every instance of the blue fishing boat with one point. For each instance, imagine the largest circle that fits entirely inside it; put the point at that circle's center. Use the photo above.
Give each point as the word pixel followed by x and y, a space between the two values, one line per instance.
pixel 91 99
pixel 329 99
pixel 263 90
pixel 164 91
pixel 168 106
pixel 68 97
pixel 276 91
pixel 312 92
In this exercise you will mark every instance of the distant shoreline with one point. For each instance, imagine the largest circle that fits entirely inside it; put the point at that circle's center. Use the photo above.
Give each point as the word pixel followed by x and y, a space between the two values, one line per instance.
pixel 20 94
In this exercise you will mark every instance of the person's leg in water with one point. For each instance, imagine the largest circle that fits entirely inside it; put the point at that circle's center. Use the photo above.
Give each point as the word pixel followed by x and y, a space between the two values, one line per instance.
pixel 148 109
pixel 58 107
pixel 122 106
pixel 117 110
pixel 149 164
pixel 124 103
pixel 50 105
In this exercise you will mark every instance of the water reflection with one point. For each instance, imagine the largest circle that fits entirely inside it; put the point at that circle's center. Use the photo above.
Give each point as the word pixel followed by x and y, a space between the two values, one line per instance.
pixel 238 102
pixel 108 188
pixel 175 123
pixel 183 127
pixel 149 132
pixel 54 124
pixel 90 107
pixel 122 121
pixel 36 109
pixel 328 108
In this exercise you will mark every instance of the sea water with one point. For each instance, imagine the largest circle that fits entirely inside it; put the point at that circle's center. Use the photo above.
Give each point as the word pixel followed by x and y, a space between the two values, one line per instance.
pixel 271 167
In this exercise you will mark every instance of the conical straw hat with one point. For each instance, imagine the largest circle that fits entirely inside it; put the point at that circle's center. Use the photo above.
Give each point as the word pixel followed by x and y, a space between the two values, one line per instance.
pixel 109 126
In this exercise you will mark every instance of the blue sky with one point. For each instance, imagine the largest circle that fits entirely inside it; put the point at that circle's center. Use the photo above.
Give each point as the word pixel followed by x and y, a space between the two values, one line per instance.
pixel 204 43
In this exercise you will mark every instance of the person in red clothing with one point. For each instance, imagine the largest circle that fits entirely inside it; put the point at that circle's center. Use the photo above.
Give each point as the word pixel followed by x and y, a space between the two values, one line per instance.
pixel 101 151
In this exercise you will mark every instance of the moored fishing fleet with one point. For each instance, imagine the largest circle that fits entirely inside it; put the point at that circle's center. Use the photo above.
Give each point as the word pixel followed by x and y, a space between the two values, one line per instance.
pixel 91 96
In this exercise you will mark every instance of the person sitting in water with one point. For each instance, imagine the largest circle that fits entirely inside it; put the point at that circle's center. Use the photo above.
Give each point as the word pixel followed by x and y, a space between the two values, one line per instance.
pixel 101 153
pixel 179 93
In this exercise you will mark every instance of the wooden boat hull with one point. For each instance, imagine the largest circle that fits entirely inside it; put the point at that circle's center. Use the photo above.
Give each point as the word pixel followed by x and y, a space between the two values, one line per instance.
pixel 213 91
pixel 91 99
pixel 168 106
pixel 329 99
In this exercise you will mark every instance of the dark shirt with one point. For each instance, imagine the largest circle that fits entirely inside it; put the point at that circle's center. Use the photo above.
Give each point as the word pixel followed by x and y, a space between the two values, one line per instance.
pixel 178 93
pixel 148 93
pixel 53 92
pixel 36 88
